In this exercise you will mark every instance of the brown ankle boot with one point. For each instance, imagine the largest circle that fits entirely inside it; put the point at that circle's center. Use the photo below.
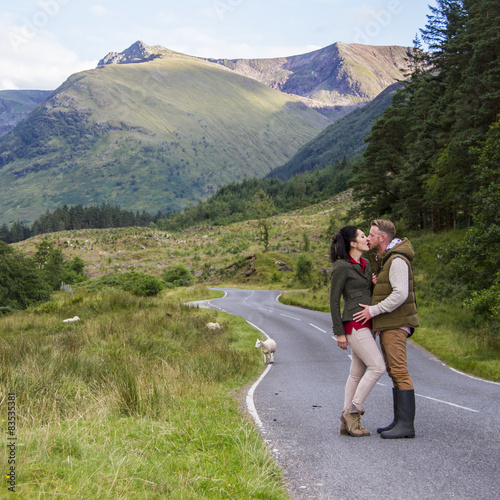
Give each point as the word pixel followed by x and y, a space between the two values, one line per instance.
pixel 352 421
pixel 343 428
pixel 366 432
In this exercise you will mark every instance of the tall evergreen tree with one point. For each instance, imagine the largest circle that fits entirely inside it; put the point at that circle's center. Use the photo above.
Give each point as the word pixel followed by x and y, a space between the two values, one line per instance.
pixel 423 173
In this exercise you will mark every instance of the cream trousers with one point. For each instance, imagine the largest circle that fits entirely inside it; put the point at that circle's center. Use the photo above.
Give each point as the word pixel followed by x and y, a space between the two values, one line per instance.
pixel 367 367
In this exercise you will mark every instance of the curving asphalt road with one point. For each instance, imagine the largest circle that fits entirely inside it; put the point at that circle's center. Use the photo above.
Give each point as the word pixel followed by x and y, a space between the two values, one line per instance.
pixel 297 403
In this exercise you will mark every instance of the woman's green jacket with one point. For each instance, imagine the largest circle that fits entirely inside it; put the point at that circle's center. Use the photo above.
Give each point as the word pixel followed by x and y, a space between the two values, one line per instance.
pixel 348 281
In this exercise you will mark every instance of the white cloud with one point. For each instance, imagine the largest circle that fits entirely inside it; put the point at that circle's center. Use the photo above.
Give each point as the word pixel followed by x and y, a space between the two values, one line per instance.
pixel 34 60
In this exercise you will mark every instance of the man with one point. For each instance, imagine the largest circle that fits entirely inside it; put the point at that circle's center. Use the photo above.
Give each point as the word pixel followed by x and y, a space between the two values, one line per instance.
pixel 394 314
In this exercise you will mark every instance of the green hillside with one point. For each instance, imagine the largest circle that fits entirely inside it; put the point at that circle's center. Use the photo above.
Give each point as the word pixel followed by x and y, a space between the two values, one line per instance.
pixel 345 137
pixel 16 105
pixel 159 135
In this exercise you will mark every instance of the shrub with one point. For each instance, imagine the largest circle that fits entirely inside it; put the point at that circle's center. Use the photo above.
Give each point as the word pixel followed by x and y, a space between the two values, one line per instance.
pixel 139 284
pixel 303 269
pixel 147 286
pixel 486 303
pixel 21 281
pixel 178 276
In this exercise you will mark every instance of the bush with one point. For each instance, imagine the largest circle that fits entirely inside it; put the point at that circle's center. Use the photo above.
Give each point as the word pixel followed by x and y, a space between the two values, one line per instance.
pixel 178 276
pixel 22 283
pixel 147 286
pixel 276 277
pixel 303 269
pixel 6 310
pixel 143 285
pixel 486 303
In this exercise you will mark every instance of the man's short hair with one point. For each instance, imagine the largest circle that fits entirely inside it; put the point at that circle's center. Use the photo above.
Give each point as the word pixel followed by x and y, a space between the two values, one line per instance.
pixel 385 226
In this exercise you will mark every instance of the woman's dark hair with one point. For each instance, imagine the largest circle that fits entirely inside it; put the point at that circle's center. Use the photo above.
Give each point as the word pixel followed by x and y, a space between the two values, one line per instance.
pixel 341 243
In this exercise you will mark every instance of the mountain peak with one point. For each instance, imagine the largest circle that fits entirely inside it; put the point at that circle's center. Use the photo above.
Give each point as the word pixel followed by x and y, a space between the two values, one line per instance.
pixel 138 52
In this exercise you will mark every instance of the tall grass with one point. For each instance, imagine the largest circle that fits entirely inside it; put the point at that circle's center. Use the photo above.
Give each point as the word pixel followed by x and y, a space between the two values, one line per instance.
pixel 136 400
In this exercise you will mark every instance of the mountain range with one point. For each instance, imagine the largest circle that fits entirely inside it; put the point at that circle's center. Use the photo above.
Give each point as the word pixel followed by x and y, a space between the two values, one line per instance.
pixel 152 129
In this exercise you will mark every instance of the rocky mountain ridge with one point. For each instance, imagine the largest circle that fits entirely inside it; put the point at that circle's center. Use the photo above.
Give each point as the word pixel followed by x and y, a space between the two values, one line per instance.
pixel 338 74
pixel 341 75
pixel 137 53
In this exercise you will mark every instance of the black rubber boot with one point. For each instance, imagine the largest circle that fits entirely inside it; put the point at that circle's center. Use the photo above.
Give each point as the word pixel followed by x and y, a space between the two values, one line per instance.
pixel 405 415
pixel 394 422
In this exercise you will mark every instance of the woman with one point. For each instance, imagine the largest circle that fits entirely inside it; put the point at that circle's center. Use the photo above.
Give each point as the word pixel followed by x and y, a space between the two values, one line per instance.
pixel 351 279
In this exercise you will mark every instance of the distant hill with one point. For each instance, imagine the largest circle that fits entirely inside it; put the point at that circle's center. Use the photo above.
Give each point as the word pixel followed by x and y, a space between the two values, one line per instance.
pixel 16 105
pixel 151 129
pixel 156 135
pixel 344 137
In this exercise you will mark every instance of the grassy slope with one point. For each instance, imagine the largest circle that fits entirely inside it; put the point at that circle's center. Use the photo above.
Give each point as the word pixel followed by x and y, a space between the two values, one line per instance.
pixel 205 250
pixel 149 136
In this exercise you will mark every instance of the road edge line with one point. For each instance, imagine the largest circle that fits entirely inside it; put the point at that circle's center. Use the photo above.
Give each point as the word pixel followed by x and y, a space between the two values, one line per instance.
pixel 249 399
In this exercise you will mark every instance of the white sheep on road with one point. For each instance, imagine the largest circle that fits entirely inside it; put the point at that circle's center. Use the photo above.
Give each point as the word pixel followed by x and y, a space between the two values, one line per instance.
pixel 268 349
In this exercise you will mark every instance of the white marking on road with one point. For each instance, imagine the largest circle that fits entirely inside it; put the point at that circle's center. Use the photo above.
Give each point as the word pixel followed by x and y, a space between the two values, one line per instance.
pixel 471 376
pixel 438 400
pixel 260 329
pixel 447 403
pixel 291 317
pixel 250 402
pixel 209 302
pixel 317 328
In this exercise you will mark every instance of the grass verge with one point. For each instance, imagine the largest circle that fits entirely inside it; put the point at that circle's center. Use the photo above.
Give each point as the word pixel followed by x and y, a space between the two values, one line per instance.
pixel 136 400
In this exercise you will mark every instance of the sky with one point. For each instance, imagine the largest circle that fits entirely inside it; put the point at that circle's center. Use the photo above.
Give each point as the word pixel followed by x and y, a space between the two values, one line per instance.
pixel 43 42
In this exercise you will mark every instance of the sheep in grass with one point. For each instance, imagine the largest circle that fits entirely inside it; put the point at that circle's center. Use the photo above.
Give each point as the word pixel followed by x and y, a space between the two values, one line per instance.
pixel 268 349
pixel 71 320
pixel 213 326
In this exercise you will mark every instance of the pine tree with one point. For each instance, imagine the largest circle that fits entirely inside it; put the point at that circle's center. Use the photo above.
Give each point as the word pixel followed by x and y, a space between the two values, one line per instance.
pixel 418 165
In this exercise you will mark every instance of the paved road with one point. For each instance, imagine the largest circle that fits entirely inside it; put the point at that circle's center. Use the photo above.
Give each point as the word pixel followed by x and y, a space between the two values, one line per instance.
pixel 455 455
